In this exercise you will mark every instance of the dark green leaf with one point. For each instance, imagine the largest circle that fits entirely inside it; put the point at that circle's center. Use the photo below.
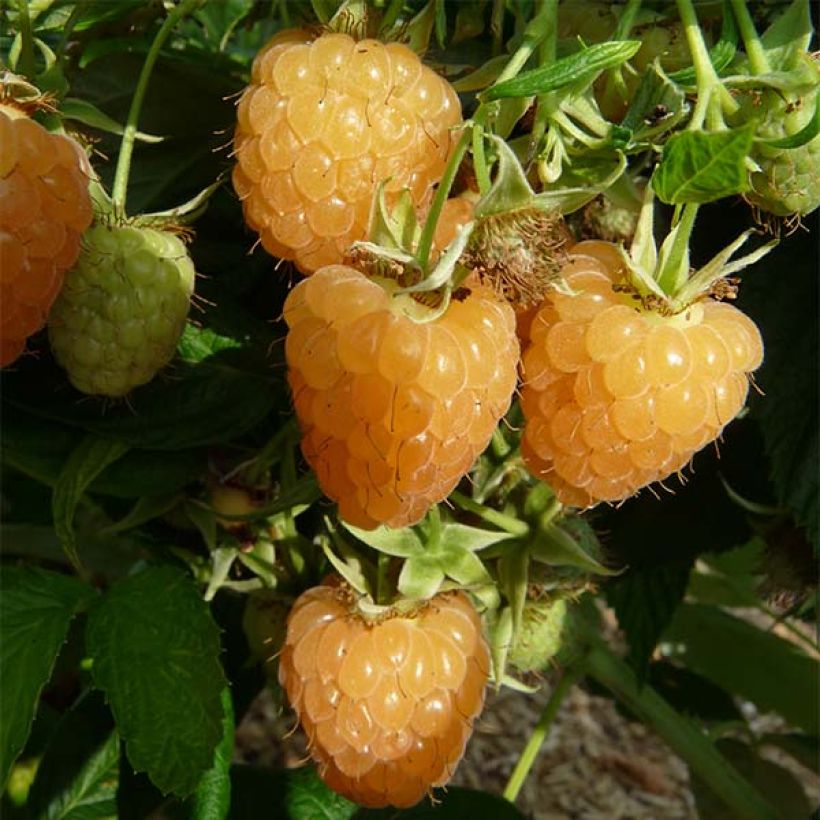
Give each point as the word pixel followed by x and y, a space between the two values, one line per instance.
pixel 781 294
pixel 692 694
pixel 155 652
pixel 212 798
pixel 88 459
pixel 779 786
pixel 577 68
pixel 292 794
pixel 645 601
pixel 83 111
pixel 39 449
pixel 746 661
pixel 36 608
pixel 197 404
pixel 701 167
pixel 77 778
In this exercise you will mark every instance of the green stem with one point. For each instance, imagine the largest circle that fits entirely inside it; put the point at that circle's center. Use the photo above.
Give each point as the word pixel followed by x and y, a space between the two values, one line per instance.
pixel 504 522
pixel 541 730
pixel 129 135
pixel 27 63
pixel 68 28
pixel 482 174
pixel 545 104
pixel 680 733
pixel 708 82
pixel 758 61
pixel 497 25
pixel 535 31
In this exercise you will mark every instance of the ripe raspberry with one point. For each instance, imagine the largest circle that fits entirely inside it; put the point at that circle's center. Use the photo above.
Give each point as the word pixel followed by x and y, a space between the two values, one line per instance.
pixel 387 702
pixel 322 124
pixel 123 308
pixel 540 636
pixel 616 398
pixel 393 410
pixel 44 209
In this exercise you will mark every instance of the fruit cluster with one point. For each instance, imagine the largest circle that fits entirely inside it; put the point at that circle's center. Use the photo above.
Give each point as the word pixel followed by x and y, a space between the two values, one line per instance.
pixel 323 123
pixel 394 409
pixel 387 700
pixel 44 209
pixel 617 397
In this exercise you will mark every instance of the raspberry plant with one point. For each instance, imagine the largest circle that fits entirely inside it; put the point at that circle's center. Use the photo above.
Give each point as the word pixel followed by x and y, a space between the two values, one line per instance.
pixel 472 366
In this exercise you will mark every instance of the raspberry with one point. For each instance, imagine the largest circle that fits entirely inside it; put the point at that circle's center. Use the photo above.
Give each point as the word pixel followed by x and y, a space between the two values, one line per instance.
pixel 322 124
pixel 122 310
pixel 615 397
pixel 44 209
pixel 540 636
pixel 387 701
pixel 393 410
pixel 264 625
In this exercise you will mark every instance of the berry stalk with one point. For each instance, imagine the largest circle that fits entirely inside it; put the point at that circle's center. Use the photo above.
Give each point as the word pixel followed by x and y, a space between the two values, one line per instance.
pixel 541 730
pixel 758 61
pixel 536 30
pixel 129 135
pixel 27 63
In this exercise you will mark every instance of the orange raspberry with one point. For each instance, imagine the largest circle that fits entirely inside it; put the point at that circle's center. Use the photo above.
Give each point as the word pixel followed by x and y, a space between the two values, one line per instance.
pixel 616 397
pixel 387 701
pixel 394 409
pixel 322 124
pixel 44 209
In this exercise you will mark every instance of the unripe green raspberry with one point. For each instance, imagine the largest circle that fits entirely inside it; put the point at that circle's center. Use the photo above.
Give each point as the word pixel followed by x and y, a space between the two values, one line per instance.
pixel 122 309
pixel 540 637
pixel 264 626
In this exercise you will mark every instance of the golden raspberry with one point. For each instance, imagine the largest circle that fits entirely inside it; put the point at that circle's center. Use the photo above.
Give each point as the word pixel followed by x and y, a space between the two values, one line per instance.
pixel 322 124
pixel 387 701
pixel 393 410
pixel 44 209
pixel 615 397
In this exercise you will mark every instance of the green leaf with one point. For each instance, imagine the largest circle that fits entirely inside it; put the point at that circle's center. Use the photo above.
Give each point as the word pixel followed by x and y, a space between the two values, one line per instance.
pixel 89 458
pixel 788 38
pixel 692 694
pixel 779 786
pixel 155 653
pixel 83 111
pixel 701 167
pixel 212 798
pixel 36 608
pixel 556 546
pixel 578 68
pixel 78 776
pixel 198 343
pixel 463 537
pixel 772 673
pixel 645 601
pixel 657 106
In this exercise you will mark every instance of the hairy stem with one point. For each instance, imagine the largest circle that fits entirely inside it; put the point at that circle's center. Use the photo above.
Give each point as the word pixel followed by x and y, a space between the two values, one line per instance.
pixel 129 135
pixel 710 89
pixel 541 730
